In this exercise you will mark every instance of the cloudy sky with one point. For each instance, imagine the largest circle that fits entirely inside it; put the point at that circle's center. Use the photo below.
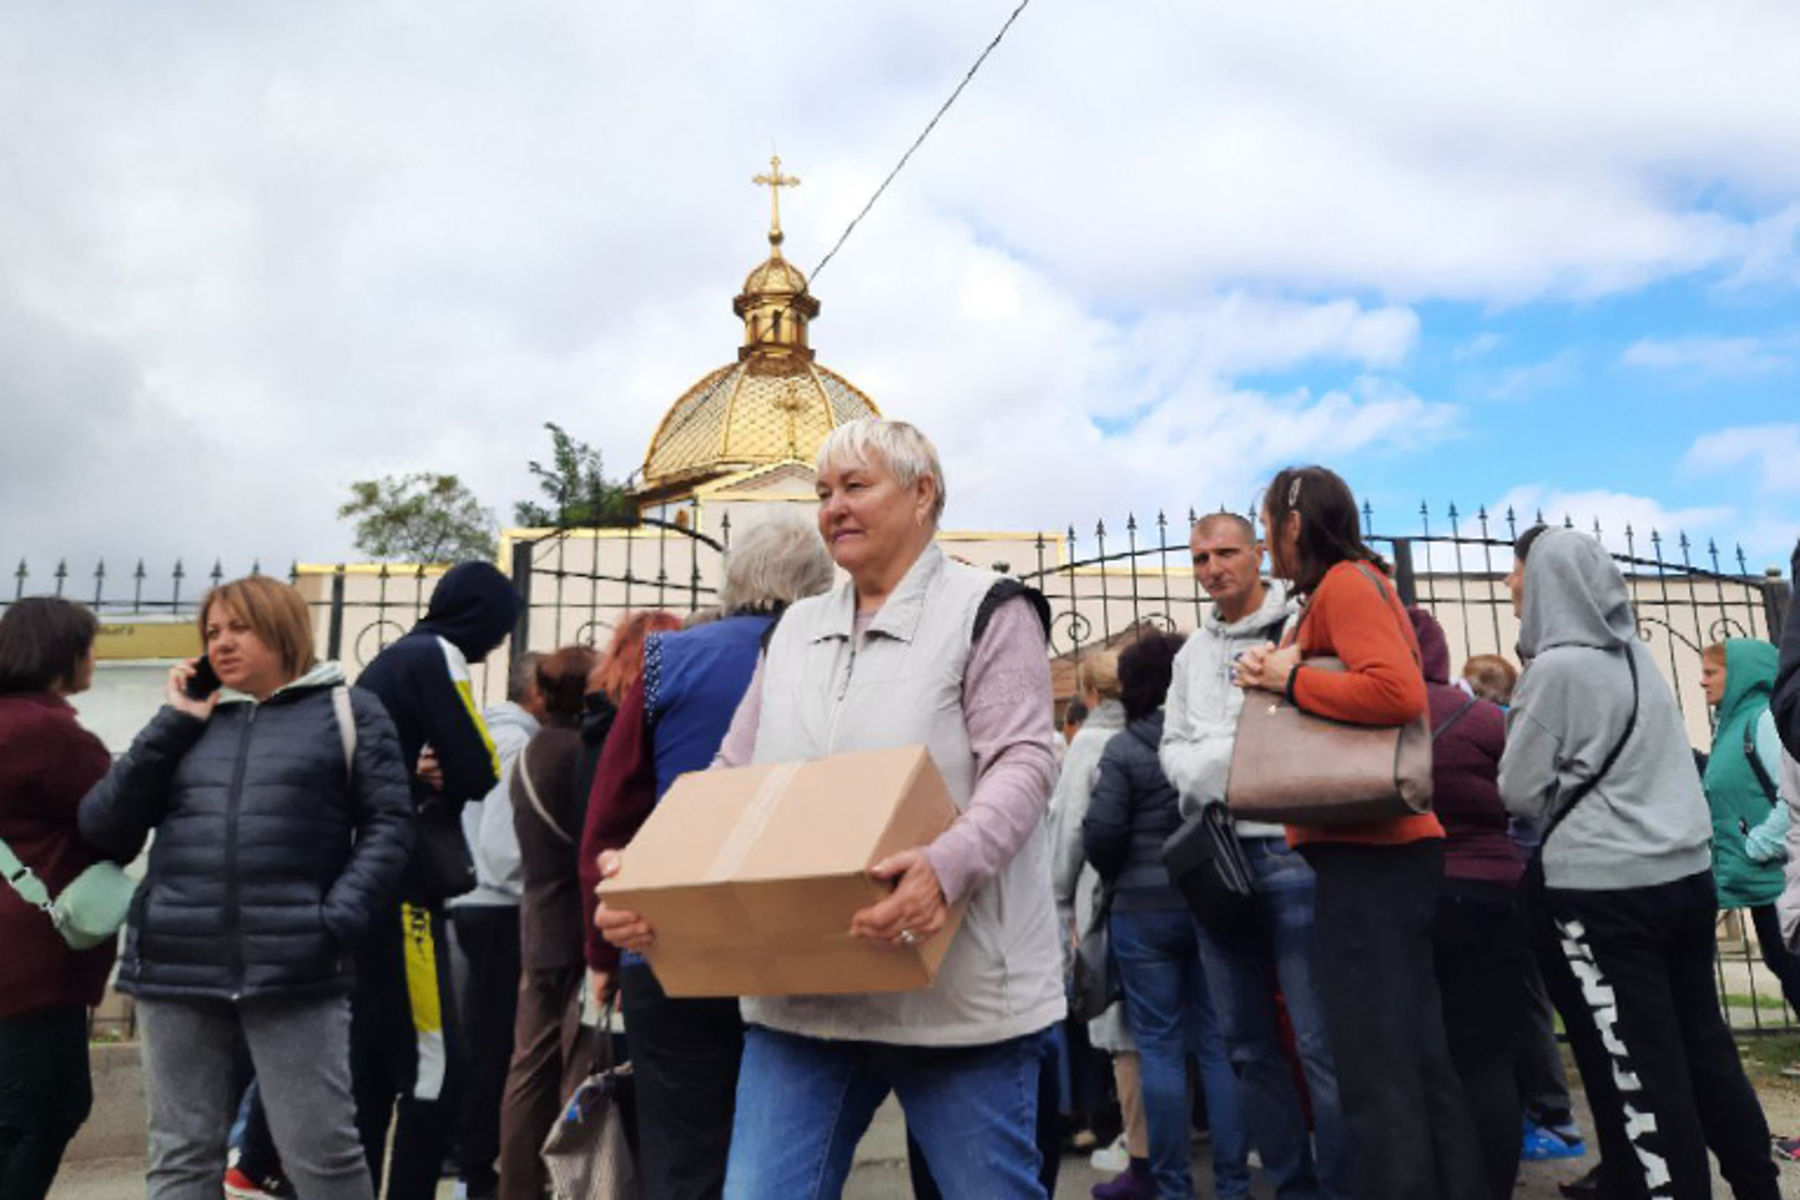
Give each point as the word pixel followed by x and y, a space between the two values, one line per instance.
pixel 1545 254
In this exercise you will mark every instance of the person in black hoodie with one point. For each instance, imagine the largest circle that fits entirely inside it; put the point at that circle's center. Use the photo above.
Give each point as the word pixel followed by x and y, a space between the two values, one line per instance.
pixel 282 827
pixel 403 1058
pixel 1785 702
pixel 1133 811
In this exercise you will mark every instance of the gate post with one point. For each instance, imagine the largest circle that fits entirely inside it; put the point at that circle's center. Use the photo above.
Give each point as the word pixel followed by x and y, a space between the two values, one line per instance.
pixel 1404 580
pixel 334 629
pixel 521 581
pixel 1778 598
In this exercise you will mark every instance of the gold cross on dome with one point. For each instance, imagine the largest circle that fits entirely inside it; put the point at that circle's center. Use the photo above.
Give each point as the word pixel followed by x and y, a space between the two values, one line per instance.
pixel 789 403
pixel 775 181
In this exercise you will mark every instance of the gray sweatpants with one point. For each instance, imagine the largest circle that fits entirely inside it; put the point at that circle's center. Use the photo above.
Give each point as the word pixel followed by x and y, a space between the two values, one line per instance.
pixel 301 1050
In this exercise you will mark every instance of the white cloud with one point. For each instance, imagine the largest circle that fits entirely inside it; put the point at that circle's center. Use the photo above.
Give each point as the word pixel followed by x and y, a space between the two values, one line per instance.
pixel 1477 347
pixel 1625 521
pixel 1725 356
pixel 1773 451
pixel 1528 378
pixel 251 254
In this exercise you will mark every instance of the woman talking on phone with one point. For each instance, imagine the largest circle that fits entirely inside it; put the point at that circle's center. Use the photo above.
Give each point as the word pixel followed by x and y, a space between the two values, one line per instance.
pixel 283 822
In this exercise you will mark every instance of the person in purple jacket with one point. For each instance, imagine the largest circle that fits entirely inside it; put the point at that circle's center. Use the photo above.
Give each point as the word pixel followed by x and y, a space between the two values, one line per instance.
pixel 1478 940
pixel 47 763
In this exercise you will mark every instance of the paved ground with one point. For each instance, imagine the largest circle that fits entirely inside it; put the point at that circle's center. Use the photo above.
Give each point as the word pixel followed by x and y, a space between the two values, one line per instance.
pixel 880 1173
pixel 881 1169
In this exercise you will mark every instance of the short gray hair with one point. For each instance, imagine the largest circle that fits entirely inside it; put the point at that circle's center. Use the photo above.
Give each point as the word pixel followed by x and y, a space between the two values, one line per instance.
pixel 777 561
pixel 907 454
pixel 1212 522
pixel 522 676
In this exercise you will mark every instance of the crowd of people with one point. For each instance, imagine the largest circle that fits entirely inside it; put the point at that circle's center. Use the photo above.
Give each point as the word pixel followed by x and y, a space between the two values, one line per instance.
pixel 368 942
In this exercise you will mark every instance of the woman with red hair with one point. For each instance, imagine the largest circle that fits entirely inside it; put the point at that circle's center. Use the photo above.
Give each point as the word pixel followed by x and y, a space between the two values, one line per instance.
pixel 612 676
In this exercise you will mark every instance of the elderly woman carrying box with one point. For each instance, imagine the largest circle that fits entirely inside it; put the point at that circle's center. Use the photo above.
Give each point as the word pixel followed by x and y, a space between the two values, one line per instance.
pixel 913 648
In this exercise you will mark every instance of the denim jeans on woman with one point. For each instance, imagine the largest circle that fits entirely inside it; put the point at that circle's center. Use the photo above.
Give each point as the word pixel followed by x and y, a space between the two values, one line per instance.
pixel 1170 1013
pixel 803 1104
pixel 1244 972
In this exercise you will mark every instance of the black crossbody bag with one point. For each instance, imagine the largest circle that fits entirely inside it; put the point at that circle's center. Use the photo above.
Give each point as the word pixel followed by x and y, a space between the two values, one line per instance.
pixel 1756 765
pixel 1207 866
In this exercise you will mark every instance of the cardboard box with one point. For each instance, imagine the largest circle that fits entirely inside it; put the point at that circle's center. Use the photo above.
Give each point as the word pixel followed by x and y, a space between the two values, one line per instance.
pixel 750 875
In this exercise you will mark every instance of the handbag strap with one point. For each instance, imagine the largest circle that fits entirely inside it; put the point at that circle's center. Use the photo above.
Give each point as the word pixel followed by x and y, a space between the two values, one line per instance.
pixel 537 804
pixel 1456 716
pixel 1400 616
pixel 1587 785
pixel 346 723
pixel 24 881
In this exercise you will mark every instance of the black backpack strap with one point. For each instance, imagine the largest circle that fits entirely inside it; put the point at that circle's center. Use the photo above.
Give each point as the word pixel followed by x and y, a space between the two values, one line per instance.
pixel 768 635
pixel 1756 763
pixel 1592 781
pixel 1007 589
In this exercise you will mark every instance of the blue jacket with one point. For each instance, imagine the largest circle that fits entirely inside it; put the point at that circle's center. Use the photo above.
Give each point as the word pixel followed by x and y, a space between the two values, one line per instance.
pixel 272 855
pixel 693 681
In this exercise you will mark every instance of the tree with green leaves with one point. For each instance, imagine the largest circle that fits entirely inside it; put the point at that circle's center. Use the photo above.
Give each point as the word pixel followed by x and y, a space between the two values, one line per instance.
pixel 420 517
pixel 574 485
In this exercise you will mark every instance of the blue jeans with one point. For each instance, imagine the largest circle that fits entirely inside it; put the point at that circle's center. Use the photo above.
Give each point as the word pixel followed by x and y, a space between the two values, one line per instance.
pixel 1171 1014
pixel 1279 949
pixel 803 1104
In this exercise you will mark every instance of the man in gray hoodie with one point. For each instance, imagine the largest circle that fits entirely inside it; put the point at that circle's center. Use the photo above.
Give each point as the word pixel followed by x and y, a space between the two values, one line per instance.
pixel 1597 757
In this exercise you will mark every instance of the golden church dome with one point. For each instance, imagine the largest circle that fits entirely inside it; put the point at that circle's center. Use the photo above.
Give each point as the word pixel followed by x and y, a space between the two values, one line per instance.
pixel 777 276
pixel 775 404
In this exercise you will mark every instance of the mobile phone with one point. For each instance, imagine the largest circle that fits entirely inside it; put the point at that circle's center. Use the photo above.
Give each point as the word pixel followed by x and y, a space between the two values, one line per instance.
pixel 204 681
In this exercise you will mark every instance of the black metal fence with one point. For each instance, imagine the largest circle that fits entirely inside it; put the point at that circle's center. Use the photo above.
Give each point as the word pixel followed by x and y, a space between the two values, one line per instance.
pixel 1102 588
pixel 576 584
pixel 1685 598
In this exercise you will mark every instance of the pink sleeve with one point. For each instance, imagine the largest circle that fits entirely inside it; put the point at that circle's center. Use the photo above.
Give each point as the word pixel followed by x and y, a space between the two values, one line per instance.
pixel 1008 709
pixel 739 746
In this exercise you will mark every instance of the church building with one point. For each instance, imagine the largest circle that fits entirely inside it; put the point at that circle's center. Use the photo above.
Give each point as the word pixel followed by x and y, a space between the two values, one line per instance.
pixel 750 431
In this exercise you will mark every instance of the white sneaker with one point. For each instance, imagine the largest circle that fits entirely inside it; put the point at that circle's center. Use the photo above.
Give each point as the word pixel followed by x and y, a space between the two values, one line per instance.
pixel 1110 1160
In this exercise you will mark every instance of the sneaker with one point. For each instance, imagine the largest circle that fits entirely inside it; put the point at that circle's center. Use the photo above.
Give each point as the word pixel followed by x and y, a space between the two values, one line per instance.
pixel 239 1186
pixel 1585 1188
pixel 1111 1160
pixel 1082 1141
pixel 1129 1184
pixel 1787 1149
pixel 1542 1144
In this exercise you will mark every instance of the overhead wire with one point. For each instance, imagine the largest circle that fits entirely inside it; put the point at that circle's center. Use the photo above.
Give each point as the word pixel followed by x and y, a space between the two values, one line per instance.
pixel 923 134
pixel 725 374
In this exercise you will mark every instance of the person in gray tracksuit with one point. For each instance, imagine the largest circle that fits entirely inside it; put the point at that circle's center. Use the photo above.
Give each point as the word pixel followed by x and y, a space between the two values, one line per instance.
pixel 1622 907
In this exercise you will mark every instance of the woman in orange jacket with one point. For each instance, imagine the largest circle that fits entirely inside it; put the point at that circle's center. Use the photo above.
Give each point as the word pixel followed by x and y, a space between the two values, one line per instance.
pixel 1378 882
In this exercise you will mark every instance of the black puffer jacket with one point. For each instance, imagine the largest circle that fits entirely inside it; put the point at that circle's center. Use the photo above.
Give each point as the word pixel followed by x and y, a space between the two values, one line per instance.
pixel 1133 811
pixel 269 860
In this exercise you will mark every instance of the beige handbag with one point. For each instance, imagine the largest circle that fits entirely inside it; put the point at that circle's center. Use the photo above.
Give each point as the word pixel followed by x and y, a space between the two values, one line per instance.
pixel 1292 767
